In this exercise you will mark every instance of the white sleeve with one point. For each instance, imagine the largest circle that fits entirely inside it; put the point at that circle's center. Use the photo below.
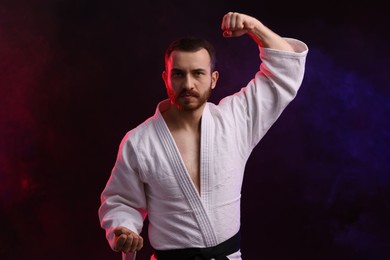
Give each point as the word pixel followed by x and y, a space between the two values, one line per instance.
pixel 256 107
pixel 123 201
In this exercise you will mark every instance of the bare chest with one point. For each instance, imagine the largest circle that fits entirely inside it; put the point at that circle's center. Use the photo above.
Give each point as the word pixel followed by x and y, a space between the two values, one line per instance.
pixel 189 148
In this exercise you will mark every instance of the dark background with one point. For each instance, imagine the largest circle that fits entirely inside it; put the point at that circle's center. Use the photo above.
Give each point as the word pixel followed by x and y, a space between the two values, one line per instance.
pixel 76 75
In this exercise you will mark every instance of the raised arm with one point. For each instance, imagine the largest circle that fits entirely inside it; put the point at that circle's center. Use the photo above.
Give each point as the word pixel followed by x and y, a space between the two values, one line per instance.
pixel 236 24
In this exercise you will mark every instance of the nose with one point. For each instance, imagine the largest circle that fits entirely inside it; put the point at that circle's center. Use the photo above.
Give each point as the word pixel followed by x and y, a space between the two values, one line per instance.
pixel 188 82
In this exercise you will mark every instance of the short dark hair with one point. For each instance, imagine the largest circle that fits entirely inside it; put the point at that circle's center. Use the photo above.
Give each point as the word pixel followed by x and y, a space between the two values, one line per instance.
pixel 192 44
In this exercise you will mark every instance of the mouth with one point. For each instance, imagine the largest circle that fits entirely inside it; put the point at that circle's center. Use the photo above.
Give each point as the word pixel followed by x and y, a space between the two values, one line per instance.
pixel 187 97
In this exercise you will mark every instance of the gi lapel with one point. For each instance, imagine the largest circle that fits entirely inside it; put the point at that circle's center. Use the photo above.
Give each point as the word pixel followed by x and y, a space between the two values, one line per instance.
pixel 180 171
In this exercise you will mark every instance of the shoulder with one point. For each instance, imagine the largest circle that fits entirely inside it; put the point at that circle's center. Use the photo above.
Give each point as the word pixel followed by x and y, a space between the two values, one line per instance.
pixel 140 132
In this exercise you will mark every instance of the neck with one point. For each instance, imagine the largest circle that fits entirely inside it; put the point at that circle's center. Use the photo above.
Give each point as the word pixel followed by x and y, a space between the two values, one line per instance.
pixel 183 119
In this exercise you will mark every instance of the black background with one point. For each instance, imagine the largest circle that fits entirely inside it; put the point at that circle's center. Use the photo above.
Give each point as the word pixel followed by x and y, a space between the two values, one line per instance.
pixel 76 75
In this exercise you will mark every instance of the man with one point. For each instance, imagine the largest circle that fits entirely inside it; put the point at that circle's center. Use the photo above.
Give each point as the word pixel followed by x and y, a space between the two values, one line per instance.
pixel 184 166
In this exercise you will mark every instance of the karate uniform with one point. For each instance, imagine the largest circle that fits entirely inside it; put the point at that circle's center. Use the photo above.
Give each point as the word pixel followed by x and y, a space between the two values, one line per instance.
pixel 150 178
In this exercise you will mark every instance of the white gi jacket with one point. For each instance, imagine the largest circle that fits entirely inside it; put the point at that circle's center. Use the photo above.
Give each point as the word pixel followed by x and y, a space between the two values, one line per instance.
pixel 150 179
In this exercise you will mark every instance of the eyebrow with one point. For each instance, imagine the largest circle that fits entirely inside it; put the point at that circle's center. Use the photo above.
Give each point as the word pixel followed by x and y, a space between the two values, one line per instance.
pixel 194 70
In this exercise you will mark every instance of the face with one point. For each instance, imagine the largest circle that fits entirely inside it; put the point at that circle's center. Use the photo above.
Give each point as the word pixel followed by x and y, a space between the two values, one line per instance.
pixel 188 79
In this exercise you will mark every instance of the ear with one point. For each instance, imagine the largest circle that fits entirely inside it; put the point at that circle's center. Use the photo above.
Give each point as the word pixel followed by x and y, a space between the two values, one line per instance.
pixel 164 77
pixel 214 79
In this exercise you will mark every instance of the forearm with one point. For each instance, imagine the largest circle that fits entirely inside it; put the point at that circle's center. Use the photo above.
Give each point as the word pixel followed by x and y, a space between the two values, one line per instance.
pixel 266 38
pixel 236 24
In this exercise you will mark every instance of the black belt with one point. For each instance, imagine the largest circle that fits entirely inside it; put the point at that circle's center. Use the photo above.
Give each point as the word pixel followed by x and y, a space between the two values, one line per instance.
pixel 218 252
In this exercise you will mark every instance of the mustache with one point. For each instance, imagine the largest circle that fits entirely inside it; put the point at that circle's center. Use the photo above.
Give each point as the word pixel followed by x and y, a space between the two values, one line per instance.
pixel 188 93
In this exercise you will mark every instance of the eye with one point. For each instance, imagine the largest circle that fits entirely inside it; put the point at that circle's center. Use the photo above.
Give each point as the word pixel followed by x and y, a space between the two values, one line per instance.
pixel 177 74
pixel 198 73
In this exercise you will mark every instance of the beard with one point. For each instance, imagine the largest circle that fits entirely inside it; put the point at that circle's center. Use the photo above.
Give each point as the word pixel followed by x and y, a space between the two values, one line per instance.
pixel 189 100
